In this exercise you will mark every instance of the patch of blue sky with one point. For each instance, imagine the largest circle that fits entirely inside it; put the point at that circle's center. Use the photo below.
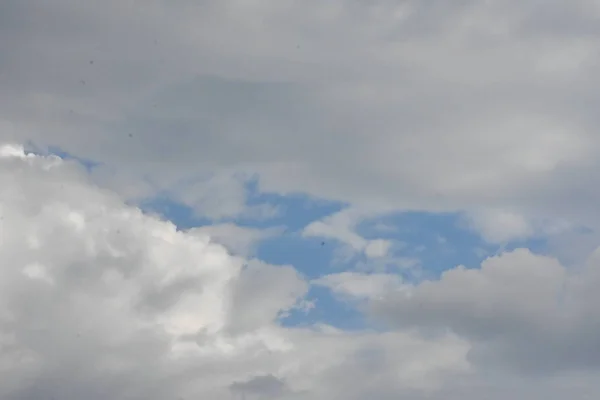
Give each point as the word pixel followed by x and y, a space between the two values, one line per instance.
pixel 435 239
pixel 328 310
pixel 310 258
pixel 439 240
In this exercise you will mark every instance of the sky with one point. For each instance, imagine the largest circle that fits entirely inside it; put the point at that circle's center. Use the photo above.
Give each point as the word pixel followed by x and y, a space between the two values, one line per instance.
pixel 251 199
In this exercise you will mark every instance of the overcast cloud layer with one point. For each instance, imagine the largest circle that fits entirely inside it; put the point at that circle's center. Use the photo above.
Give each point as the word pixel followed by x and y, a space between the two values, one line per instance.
pixel 412 104
pixel 482 108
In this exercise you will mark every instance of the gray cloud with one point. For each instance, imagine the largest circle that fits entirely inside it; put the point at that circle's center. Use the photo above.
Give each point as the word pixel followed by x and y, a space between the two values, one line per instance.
pixel 267 386
pixel 520 311
pixel 411 105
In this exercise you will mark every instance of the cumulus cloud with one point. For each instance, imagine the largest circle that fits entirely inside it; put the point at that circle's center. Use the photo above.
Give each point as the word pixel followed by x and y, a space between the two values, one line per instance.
pixel 87 279
pixel 520 311
pixel 100 300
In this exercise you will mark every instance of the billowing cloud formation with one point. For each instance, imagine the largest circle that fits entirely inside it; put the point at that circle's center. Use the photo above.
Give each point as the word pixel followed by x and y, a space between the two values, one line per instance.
pixel 519 311
pixel 100 300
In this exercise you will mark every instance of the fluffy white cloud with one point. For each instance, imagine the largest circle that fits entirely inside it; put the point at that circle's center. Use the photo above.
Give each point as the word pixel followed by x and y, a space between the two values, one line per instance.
pixel 100 300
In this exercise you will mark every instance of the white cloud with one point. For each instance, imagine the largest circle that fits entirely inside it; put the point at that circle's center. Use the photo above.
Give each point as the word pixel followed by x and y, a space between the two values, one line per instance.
pixel 339 226
pixel 377 248
pixel 342 227
pixel 239 240
pixel 220 195
pixel 360 285
pixel 98 299
pixel 257 301
pixel 499 226
pixel 503 226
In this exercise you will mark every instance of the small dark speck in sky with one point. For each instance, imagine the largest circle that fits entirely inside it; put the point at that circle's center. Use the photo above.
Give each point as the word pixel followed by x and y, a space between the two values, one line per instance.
pixel 82 82
pixel 322 243
pixel 130 135
pixel 91 61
